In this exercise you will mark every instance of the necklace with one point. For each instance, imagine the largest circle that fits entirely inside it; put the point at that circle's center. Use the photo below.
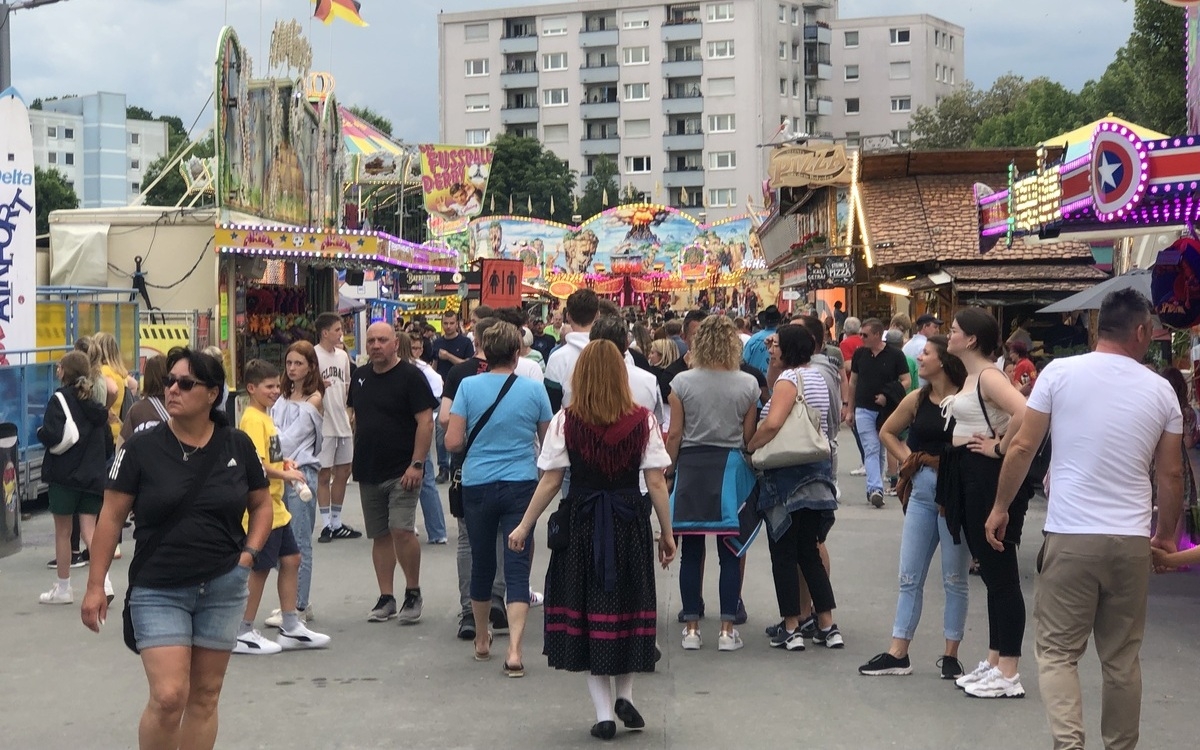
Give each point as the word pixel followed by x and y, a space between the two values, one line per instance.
pixel 183 452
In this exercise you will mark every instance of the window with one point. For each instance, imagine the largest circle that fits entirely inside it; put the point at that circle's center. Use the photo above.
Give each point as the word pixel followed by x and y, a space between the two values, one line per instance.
pixel 722 123
pixel 795 16
pixel 937 38
pixel 851 72
pixel 135 138
pixel 554 97
pixel 783 14
pixel 478 137
pixel 554 61
pixel 722 160
pixel 720 12
pixel 937 71
pixel 951 44
pixel 637 55
pixel 796 125
pixel 637 128
pixel 478 67
pixel 478 103
pixel 722 197
pixel 951 79
pixel 900 70
pixel 900 137
pixel 795 88
pixel 135 187
pixel 721 49
pixel 556 26
pixel 637 164
pixel 853 139
pixel 635 19
pixel 851 39
pixel 783 86
pixel 901 103
pixel 852 106
pixel 52 132
pixel 134 164
pixel 900 36
pixel 554 134
pixel 795 53
pixel 52 157
pixel 69 133
pixel 783 50
pixel 721 87
pixel 636 92
pixel 475 32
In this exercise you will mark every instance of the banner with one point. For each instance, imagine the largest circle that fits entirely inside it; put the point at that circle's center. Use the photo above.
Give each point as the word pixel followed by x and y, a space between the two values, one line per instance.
pixel 830 272
pixel 454 180
pixel 500 284
pixel 18 273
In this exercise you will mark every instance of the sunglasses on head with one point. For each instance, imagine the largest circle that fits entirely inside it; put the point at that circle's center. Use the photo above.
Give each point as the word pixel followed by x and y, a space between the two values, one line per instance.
pixel 185 384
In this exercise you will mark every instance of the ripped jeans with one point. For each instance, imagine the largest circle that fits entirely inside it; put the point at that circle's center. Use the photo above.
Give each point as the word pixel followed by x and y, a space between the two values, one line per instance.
pixel 924 529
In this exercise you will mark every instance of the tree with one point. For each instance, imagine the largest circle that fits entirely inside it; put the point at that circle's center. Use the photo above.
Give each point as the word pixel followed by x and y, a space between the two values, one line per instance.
pixel 523 169
pixel 603 179
pixel 376 120
pixel 172 188
pixel 956 119
pixel 51 191
pixel 1045 110
pixel 134 112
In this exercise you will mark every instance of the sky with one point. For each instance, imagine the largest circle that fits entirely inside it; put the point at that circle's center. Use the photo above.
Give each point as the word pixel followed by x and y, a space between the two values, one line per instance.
pixel 160 53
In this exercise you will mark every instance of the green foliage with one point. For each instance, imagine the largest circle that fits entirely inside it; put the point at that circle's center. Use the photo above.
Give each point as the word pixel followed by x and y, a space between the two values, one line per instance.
pixel 172 188
pixel 523 169
pixel 377 121
pixel 37 103
pixel 603 178
pixel 1045 110
pixel 134 112
pixel 52 193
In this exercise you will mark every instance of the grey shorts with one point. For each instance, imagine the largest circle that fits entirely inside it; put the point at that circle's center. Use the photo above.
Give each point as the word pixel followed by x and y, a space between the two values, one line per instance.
pixel 388 506
pixel 336 451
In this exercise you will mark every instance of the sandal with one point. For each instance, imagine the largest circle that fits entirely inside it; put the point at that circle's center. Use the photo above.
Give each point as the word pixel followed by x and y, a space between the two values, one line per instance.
pixel 486 655
pixel 517 671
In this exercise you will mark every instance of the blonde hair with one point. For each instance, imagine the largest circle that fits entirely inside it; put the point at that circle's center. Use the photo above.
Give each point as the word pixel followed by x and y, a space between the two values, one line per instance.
pixel 109 353
pixel 716 345
pixel 600 384
pixel 666 349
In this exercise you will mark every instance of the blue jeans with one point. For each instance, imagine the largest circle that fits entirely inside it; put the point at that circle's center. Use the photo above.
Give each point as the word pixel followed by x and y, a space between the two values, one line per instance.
pixel 304 520
pixel 924 529
pixel 205 615
pixel 439 442
pixel 691 581
pixel 431 505
pixel 491 508
pixel 868 433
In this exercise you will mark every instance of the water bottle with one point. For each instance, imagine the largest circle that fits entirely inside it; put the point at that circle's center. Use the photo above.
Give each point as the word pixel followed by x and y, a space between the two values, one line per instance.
pixel 303 491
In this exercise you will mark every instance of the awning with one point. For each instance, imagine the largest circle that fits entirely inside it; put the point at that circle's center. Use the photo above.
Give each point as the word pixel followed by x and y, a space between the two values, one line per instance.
pixel 1078 142
pixel 1018 278
pixel 911 284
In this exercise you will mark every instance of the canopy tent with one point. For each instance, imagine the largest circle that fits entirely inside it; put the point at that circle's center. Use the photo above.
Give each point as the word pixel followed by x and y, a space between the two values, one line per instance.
pixel 375 157
pixel 1090 299
pixel 1078 142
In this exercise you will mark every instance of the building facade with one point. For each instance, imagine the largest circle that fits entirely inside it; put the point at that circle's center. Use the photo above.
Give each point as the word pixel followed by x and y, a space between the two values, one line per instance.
pixel 680 96
pixel 884 68
pixel 102 154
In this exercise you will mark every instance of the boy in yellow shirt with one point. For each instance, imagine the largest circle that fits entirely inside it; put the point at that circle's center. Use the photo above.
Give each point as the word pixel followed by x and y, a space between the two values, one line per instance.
pixel 262 385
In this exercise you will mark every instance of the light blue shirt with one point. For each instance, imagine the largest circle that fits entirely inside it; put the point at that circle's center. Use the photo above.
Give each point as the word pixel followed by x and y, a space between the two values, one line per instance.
pixel 755 353
pixel 505 450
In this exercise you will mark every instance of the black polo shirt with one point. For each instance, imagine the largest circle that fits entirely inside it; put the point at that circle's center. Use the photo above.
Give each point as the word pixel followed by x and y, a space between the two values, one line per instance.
pixel 874 371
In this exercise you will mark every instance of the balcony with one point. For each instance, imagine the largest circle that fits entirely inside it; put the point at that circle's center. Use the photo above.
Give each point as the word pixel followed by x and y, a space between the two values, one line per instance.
pixel 683 105
pixel 819 70
pixel 519 115
pixel 591 38
pixel 683 141
pixel 819 33
pixel 511 45
pixel 684 30
pixel 682 68
pixel 598 146
pixel 600 110
pixel 523 78
pixel 820 105
pixel 815 3
pixel 606 73
pixel 689 178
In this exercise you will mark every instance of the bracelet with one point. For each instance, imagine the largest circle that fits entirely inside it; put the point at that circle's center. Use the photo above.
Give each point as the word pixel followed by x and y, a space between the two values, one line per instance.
pixel 253 552
pixel 996 450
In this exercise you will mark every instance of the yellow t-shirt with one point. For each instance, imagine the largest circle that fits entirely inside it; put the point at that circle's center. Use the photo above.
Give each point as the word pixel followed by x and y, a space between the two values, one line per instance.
pixel 114 422
pixel 258 425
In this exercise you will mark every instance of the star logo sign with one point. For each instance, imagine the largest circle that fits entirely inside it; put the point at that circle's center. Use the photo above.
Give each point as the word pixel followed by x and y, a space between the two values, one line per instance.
pixel 1110 170
pixel 1118 171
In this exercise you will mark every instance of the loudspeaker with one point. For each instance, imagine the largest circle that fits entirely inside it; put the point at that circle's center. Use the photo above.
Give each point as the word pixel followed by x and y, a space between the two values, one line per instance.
pixel 354 278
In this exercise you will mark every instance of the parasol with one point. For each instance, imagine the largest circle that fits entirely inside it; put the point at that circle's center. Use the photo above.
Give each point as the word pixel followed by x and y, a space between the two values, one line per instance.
pixel 1090 299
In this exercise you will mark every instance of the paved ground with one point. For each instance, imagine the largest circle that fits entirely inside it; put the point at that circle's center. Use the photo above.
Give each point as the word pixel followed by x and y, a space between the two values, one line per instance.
pixel 381 685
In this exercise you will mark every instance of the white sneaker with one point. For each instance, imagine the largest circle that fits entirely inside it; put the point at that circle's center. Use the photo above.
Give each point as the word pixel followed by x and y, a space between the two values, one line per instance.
pixel 57 594
pixel 254 643
pixel 536 598
pixel 275 620
pixel 692 640
pixel 859 472
pixel 972 677
pixel 996 685
pixel 108 589
pixel 301 637
pixel 731 641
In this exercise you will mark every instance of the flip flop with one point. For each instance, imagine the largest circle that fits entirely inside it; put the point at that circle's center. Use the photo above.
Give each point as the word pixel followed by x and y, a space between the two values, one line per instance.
pixel 517 671
pixel 486 655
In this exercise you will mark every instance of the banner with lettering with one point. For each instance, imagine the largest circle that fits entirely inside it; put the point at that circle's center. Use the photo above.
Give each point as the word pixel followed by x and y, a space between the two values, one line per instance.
pixel 454 180
pixel 18 272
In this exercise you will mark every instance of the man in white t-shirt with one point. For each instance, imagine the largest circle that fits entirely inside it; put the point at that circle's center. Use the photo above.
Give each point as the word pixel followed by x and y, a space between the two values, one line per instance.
pixel 337 444
pixel 1108 417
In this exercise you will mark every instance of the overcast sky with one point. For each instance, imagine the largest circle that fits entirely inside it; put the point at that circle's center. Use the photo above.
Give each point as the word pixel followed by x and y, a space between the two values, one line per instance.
pixel 160 52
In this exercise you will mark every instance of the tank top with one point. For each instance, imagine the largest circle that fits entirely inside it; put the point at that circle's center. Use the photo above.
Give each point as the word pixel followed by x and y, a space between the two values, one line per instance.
pixel 929 432
pixel 969 418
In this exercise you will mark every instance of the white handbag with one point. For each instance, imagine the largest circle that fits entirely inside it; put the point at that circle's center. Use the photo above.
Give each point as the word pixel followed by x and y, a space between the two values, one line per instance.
pixel 799 441
pixel 70 430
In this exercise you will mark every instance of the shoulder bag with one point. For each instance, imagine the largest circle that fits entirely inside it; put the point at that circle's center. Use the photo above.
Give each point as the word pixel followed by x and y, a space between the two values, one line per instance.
pixel 799 441
pixel 144 550
pixel 455 491
pixel 70 434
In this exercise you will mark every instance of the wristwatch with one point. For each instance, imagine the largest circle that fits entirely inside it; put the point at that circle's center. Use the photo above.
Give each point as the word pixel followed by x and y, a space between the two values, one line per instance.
pixel 418 465
pixel 253 552
pixel 996 450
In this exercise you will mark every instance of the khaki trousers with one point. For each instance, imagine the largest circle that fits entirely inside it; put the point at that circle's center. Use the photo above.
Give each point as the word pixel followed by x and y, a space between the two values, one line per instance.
pixel 1091 584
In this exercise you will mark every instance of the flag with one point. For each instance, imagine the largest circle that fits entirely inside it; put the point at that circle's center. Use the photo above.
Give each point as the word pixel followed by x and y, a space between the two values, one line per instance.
pixel 782 127
pixel 552 206
pixel 529 205
pixel 493 203
pixel 683 196
pixel 510 205
pixel 657 189
pixel 604 196
pixel 347 10
pixel 576 203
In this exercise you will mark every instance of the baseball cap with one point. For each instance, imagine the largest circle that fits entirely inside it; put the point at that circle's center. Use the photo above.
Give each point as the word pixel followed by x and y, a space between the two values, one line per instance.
pixel 927 319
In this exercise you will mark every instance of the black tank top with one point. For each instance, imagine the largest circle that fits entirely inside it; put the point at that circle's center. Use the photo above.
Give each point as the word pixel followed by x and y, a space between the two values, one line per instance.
pixel 929 432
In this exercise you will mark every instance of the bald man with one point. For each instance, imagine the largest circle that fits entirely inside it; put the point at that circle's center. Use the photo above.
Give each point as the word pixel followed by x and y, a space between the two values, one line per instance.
pixel 391 407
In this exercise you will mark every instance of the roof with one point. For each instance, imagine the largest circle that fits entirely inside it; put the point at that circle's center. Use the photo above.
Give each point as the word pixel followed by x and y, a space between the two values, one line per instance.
pixel 1024 277
pixel 894 164
pixel 1079 141
pixel 934 217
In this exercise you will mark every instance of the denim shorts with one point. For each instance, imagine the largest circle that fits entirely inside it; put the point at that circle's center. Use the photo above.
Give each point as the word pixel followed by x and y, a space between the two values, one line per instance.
pixel 205 615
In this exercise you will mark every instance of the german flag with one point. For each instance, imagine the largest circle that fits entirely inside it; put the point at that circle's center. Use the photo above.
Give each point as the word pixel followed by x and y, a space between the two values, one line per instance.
pixel 347 10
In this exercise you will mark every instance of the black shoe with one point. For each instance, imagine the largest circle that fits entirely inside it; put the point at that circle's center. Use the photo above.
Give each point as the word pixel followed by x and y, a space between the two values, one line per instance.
pixel 831 638
pixel 792 641
pixel 774 630
pixel 808 628
pixel 701 612
pixel 499 620
pixel 740 617
pixel 604 730
pixel 78 560
pixel 952 668
pixel 885 664
pixel 345 532
pixel 466 627
pixel 443 476
pixel 326 536
pixel 629 715
pixel 875 498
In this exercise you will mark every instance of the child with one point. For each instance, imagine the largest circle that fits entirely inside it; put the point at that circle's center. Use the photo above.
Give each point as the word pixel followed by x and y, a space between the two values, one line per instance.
pixel 1167 561
pixel 262 385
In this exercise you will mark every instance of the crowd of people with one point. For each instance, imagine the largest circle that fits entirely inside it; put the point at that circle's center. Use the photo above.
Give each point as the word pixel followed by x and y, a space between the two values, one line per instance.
pixel 712 425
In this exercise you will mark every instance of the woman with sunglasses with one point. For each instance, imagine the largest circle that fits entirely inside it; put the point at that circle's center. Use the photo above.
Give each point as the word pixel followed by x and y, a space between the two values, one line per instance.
pixel 187 599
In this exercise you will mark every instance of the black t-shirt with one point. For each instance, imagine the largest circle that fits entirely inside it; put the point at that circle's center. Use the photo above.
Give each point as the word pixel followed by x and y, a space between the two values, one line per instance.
pixel 544 344
pixel 459 373
pixel 874 371
pixel 385 407
pixel 460 346
pixel 208 539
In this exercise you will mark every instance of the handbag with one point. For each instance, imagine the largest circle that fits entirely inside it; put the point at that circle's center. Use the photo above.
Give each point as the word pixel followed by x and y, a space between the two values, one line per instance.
pixel 558 528
pixel 457 461
pixel 146 549
pixel 799 441
pixel 70 434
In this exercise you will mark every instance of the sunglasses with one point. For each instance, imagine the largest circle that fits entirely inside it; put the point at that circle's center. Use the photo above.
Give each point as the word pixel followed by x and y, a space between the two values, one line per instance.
pixel 185 384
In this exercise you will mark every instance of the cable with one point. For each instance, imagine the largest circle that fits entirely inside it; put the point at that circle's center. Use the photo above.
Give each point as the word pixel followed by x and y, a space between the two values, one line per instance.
pixel 126 274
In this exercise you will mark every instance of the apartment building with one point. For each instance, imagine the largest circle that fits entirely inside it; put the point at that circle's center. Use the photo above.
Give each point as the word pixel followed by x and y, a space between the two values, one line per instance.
pixel 681 96
pixel 102 154
pixel 886 67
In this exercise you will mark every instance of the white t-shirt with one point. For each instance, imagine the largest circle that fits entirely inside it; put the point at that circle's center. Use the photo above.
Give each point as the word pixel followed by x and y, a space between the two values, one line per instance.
pixel 1107 415
pixel 335 370
pixel 527 368
pixel 431 376
pixel 554 447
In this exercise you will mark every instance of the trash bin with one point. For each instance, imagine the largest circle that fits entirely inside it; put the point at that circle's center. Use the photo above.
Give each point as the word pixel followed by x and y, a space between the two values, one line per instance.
pixel 10 513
